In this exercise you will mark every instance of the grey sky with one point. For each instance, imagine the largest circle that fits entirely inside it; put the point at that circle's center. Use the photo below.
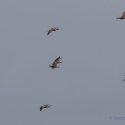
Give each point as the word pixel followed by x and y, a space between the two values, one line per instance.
pixel 87 88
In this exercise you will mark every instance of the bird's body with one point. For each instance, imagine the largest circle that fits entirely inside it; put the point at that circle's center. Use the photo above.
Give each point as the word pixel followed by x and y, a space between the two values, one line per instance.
pixel 54 64
pixel 122 17
pixel 52 29
pixel 45 106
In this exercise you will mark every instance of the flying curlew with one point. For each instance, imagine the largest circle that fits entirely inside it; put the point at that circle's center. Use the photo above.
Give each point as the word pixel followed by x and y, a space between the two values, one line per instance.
pixel 52 29
pixel 54 64
pixel 45 106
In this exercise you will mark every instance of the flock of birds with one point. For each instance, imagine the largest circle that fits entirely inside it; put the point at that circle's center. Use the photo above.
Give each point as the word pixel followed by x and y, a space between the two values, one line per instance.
pixel 57 60
pixel 53 65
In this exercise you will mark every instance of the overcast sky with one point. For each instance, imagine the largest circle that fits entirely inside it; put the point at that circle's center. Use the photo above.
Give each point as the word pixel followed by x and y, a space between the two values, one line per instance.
pixel 87 89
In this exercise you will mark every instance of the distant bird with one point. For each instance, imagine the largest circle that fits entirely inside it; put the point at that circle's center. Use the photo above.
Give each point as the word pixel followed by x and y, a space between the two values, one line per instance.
pixel 122 17
pixel 54 64
pixel 52 29
pixel 45 106
pixel 123 80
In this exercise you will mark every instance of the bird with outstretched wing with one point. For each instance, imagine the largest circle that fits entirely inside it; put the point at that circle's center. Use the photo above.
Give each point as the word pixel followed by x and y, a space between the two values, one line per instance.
pixel 54 64
pixel 45 106
pixel 52 29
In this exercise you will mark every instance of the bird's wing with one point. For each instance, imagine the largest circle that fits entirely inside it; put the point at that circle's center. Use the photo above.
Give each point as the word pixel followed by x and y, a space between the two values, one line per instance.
pixel 41 108
pixel 48 105
pixel 56 28
pixel 57 59
pixel 123 15
pixel 54 63
pixel 50 31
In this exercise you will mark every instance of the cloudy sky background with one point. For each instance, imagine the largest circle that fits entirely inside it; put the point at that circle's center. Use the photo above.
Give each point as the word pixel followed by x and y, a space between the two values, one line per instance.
pixel 87 89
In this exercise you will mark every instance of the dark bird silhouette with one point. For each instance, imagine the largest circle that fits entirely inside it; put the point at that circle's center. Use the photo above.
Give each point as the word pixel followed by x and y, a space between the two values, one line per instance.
pixel 45 106
pixel 122 17
pixel 52 29
pixel 54 64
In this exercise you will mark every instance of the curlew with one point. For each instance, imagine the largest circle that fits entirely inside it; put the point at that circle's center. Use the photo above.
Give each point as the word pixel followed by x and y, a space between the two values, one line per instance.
pixel 52 29
pixel 45 106
pixel 54 64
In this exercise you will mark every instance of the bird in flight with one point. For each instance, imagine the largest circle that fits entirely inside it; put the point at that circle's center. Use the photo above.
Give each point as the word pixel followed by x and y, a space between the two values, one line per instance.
pixel 122 17
pixel 54 64
pixel 52 29
pixel 45 106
